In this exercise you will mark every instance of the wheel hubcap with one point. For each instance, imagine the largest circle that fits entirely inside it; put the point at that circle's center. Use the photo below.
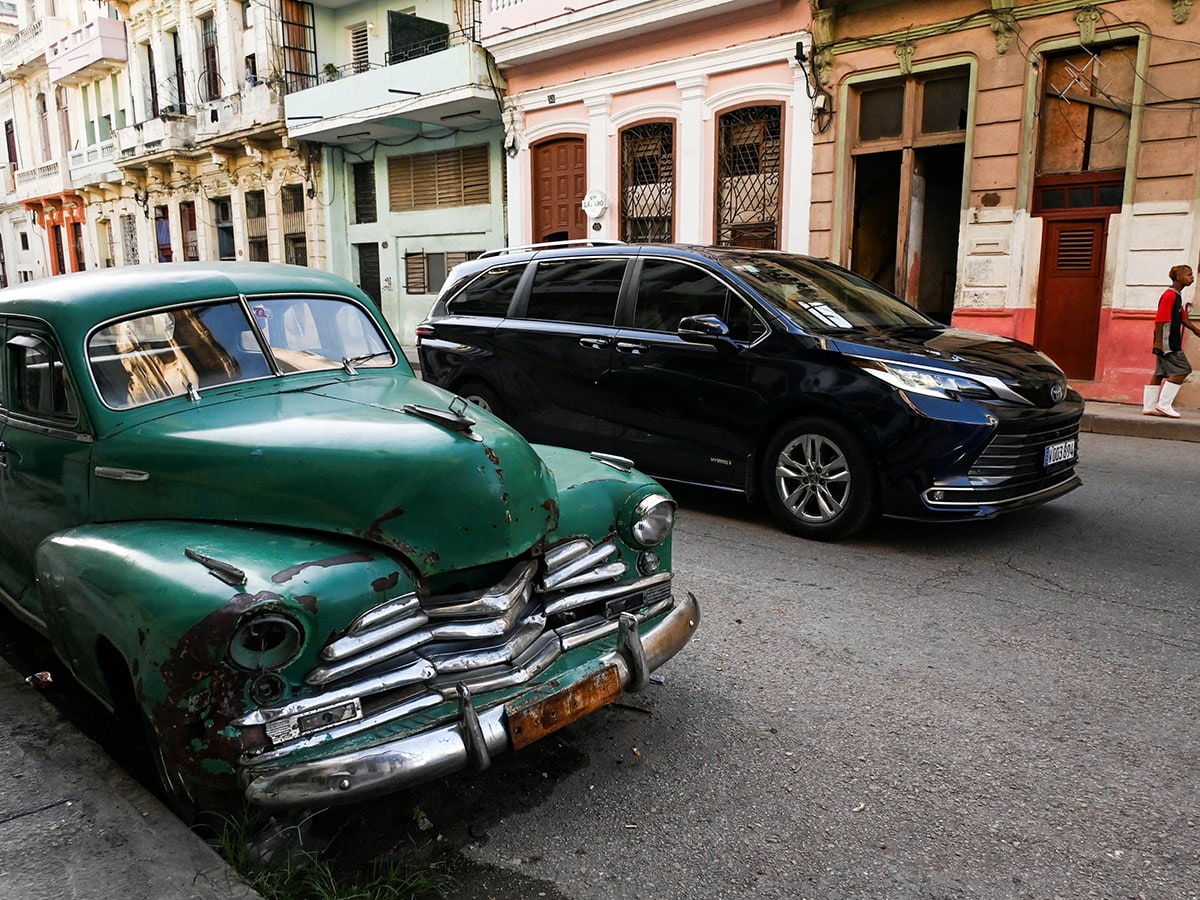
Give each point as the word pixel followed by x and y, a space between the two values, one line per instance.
pixel 479 401
pixel 812 478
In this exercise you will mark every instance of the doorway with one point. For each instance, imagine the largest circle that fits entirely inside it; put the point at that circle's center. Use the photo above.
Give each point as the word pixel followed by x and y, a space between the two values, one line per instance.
pixel 559 183
pixel 1068 299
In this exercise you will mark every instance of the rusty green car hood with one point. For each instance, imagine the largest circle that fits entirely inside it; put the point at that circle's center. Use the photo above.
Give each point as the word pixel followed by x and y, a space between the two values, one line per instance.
pixel 339 455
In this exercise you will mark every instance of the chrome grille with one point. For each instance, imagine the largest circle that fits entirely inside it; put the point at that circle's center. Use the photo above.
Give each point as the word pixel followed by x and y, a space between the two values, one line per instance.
pixel 407 654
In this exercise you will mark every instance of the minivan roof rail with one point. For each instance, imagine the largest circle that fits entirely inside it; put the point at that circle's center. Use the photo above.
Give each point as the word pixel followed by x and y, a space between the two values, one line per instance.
pixel 577 242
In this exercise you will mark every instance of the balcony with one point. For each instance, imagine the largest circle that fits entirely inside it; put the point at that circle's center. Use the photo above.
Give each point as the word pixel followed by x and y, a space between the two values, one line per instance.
pixel 88 53
pixel 444 88
pixel 25 51
pixel 167 135
pixel 257 108
pixel 524 31
pixel 94 164
pixel 45 180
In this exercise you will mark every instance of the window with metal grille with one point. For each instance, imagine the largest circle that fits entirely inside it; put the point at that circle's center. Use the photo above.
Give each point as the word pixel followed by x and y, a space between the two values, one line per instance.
pixel 458 177
pixel 648 182
pixel 129 239
pixel 359 58
pixel 299 45
pixel 210 77
pixel 425 273
pixel 295 249
pixel 291 197
pixel 256 214
pixel 364 193
pixel 749 173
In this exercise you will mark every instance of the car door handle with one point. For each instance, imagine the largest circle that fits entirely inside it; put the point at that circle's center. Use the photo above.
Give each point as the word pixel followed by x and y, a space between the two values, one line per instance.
pixel 594 343
pixel 631 347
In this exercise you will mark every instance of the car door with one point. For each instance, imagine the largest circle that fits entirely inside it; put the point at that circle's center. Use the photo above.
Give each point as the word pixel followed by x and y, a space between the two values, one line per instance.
pixel 556 351
pixel 45 455
pixel 684 410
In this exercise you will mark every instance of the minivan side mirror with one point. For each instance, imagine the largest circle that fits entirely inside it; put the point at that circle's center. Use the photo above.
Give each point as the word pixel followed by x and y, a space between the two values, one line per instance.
pixel 708 330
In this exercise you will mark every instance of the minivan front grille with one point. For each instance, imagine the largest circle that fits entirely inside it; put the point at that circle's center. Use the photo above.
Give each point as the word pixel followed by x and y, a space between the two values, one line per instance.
pixel 408 654
pixel 1011 470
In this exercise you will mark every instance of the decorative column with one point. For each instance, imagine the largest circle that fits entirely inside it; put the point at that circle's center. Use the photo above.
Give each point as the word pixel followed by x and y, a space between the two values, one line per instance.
pixel 691 185
pixel 597 164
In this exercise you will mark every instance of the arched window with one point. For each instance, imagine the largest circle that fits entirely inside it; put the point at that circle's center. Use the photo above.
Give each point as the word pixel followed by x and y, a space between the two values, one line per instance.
pixel 648 182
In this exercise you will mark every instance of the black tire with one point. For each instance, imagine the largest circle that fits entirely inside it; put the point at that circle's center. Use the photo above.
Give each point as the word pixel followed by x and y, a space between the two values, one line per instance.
pixel 818 480
pixel 482 396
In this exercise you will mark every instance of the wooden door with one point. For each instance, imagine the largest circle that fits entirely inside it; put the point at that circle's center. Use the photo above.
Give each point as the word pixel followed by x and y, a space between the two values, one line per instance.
pixel 1068 303
pixel 559 183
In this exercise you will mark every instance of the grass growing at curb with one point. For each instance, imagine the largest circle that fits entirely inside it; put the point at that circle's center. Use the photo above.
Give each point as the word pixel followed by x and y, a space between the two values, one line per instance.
pixel 298 874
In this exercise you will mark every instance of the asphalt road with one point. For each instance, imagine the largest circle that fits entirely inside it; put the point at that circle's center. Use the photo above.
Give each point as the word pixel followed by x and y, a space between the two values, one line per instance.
pixel 1002 709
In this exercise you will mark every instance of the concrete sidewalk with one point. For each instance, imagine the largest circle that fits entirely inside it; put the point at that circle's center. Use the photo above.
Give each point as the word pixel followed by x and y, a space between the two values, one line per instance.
pixel 75 826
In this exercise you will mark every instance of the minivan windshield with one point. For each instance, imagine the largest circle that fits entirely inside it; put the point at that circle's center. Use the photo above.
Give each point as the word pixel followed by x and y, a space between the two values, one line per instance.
pixel 821 297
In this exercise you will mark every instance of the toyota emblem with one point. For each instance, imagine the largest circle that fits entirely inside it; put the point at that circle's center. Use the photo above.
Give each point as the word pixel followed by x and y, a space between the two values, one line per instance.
pixel 1056 393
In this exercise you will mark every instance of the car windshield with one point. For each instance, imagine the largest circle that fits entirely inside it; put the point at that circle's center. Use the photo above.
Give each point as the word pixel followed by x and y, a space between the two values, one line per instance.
pixel 821 297
pixel 164 354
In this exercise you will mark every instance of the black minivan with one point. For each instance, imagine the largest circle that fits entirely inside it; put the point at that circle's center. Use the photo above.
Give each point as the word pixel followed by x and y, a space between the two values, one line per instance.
pixel 760 371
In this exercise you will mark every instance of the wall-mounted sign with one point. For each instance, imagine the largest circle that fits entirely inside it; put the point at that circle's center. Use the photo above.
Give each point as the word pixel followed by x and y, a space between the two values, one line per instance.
pixel 594 204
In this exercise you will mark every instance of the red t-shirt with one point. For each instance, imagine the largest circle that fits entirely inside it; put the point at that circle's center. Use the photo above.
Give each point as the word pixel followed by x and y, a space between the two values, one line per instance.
pixel 1170 311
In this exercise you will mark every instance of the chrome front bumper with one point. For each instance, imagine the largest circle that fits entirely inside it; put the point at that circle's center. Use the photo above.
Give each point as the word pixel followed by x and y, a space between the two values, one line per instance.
pixel 467 743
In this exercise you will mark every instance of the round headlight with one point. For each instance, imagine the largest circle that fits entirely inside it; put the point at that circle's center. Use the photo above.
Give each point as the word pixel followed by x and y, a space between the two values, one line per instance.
pixel 266 641
pixel 653 520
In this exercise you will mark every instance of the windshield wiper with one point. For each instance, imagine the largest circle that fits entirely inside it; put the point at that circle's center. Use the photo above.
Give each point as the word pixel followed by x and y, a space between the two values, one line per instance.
pixel 349 362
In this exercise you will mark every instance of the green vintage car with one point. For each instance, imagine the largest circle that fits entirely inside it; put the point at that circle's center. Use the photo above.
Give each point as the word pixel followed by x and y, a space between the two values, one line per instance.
pixel 311 577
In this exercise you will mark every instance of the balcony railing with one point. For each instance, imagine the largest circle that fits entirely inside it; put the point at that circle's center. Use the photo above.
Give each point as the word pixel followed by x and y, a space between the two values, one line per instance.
pixel 88 52
pixel 26 50
pixel 293 222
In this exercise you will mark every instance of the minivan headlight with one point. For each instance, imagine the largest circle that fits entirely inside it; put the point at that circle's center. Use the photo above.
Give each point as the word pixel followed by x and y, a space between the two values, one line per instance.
pixel 930 382
pixel 652 520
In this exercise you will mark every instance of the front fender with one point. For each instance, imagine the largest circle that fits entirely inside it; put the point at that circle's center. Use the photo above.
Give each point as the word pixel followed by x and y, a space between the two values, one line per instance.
pixel 132 585
pixel 596 499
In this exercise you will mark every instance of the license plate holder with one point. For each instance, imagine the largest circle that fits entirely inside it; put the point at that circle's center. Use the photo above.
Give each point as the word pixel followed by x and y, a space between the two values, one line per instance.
pixel 534 721
pixel 1059 453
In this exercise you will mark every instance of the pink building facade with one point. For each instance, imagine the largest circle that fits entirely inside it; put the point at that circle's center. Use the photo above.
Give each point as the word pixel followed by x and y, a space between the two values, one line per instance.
pixel 676 121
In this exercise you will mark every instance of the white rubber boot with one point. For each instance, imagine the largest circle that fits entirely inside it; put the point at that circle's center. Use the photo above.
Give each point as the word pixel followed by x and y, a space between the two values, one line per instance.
pixel 1149 399
pixel 1164 407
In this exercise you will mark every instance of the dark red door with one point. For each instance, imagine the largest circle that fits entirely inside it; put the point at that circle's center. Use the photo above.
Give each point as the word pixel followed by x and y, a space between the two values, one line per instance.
pixel 1072 278
pixel 559 183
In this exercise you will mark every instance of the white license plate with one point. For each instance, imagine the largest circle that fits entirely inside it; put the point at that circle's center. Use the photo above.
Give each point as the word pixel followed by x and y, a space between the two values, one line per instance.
pixel 1063 451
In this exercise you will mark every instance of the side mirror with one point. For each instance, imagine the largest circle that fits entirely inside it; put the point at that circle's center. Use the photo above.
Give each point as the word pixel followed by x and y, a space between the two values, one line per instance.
pixel 708 330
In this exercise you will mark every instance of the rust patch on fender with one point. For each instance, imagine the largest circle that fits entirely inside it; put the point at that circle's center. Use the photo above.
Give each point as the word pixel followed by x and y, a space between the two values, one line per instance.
pixel 386 583
pixel 285 575
pixel 492 455
pixel 307 601
pixel 204 694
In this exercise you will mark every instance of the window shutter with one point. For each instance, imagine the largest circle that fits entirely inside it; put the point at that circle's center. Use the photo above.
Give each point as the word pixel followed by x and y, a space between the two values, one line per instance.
pixel 443 178
pixel 414 273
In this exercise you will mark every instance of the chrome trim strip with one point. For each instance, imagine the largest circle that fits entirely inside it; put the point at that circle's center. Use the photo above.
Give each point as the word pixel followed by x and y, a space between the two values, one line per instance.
pixel 597 627
pixel 413 673
pixel 565 553
pixel 495 601
pixel 118 474
pixel 998 504
pixel 352 645
pixel 466 660
pixel 598 554
pixel 408 707
pixel 539 657
pixel 602 573
pixel 389 609
pixel 583 598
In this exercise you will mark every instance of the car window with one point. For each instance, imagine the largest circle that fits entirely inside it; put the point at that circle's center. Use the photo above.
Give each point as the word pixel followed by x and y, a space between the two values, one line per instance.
pixel 744 323
pixel 489 294
pixel 584 291
pixel 159 355
pixel 669 291
pixel 40 386
pixel 822 297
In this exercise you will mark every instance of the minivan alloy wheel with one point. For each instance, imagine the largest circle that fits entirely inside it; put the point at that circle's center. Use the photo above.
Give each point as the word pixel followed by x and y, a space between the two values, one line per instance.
pixel 818 480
